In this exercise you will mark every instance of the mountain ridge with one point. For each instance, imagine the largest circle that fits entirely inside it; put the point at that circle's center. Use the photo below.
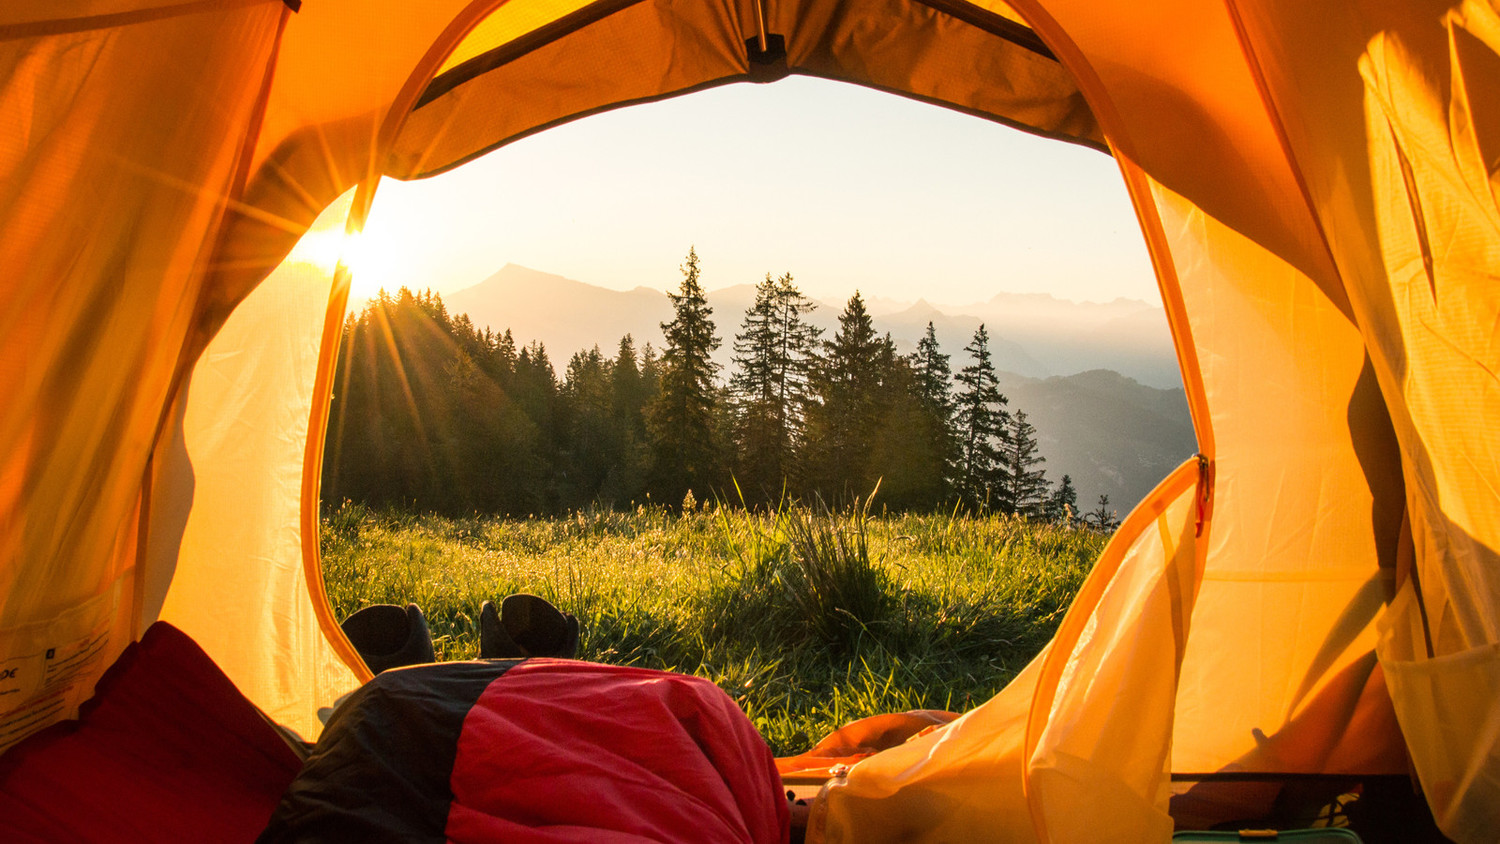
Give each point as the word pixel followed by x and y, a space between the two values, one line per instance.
pixel 1033 334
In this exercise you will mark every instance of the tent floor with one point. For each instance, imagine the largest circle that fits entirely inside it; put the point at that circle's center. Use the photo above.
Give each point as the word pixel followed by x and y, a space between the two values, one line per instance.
pixel 1381 809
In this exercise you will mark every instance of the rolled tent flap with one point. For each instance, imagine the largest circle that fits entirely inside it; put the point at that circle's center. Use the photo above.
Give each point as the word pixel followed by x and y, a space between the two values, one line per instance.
pixel 1078 742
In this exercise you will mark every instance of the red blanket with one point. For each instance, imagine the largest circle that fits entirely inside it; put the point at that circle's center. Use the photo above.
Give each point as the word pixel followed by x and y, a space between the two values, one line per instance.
pixel 167 750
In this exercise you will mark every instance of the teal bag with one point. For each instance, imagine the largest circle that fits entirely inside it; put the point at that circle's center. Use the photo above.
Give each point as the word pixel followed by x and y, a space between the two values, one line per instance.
pixel 1294 836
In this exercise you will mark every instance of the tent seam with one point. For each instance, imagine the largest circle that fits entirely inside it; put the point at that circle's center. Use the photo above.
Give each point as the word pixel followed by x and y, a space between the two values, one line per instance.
pixel 89 23
pixel 1273 113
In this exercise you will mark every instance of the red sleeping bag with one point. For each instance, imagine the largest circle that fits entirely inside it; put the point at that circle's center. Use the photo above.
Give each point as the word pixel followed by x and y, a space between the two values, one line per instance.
pixel 535 751
pixel 542 750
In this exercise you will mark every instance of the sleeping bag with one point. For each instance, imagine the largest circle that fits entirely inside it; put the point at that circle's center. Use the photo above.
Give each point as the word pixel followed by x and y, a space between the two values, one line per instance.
pixel 538 750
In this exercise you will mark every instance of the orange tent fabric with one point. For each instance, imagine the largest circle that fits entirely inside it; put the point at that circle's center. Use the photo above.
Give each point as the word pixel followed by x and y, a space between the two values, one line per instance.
pixel 1316 184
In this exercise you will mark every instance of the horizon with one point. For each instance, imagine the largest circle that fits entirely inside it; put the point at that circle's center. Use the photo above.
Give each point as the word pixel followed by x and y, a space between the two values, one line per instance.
pixel 750 285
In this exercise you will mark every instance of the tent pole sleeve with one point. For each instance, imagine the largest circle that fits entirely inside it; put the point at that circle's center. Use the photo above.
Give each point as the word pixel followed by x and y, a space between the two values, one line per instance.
pixel 760 23
pixel 312 465
pixel 333 320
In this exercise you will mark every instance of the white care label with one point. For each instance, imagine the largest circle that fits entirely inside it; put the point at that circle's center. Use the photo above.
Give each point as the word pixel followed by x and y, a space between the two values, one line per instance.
pixel 20 678
pixel 64 663
pixel 40 690
pixel 50 668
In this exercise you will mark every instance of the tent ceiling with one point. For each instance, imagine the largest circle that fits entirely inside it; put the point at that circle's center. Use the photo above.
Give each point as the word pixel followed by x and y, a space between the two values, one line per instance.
pixel 516 73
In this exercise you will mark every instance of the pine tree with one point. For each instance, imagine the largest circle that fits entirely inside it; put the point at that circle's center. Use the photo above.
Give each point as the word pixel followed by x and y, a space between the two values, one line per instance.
pixel 933 374
pixel 768 389
pixel 625 375
pixel 650 374
pixel 1026 485
pixel 842 421
pixel 535 383
pixel 797 353
pixel 1062 505
pixel 681 421
pixel 625 481
pixel 907 451
pixel 630 390
pixel 425 413
pixel 755 349
pixel 505 356
pixel 593 439
pixel 758 426
pixel 534 388
pixel 983 428
pixel 1102 517
pixel 932 381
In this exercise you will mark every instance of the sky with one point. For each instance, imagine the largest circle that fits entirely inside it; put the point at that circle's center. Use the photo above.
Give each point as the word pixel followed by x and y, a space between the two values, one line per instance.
pixel 844 187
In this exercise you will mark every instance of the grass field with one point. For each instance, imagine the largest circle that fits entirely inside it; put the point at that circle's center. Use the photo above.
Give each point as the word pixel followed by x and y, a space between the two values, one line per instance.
pixel 809 619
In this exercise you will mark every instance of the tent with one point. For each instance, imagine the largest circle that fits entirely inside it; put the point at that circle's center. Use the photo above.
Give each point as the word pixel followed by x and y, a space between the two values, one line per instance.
pixel 1317 593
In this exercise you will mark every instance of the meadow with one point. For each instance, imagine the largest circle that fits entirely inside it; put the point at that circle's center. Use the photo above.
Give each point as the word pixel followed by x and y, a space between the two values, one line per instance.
pixel 808 618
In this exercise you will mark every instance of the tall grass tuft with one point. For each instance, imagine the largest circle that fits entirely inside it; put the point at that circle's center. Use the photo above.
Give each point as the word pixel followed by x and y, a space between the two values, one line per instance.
pixel 839 595
pixel 806 577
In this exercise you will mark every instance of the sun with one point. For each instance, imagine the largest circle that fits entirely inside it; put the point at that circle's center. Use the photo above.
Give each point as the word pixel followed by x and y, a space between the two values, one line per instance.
pixel 355 254
pixel 327 249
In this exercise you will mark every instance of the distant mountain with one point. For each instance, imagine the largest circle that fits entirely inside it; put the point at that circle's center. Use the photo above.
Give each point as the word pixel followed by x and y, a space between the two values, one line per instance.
pixel 565 315
pixel 1111 434
pixel 1126 335
pixel 1035 335
pixel 907 326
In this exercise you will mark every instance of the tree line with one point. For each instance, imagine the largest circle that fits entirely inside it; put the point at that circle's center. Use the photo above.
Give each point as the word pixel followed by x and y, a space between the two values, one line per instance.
pixel 432 412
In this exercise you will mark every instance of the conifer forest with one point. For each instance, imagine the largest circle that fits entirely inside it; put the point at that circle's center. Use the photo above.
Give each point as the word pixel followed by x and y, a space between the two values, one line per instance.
pixel 432 413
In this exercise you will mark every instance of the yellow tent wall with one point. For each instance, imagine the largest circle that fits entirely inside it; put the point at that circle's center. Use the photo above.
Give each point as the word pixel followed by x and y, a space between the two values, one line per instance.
pixel 113 167
pixel 1316 186
pixel 238 442
pixel 1400 168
